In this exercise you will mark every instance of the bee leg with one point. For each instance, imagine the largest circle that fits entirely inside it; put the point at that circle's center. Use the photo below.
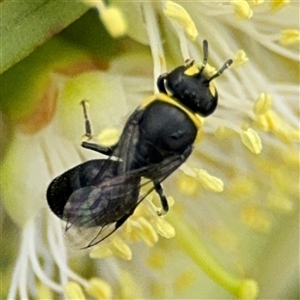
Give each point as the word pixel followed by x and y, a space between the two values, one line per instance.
pixel 89 136
pixel 163 200
pixel 87 124
pixel 121 221
pixel 98 148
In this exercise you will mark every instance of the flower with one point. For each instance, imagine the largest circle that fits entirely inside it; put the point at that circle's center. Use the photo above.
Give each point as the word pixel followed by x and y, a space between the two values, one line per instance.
pixel 235 213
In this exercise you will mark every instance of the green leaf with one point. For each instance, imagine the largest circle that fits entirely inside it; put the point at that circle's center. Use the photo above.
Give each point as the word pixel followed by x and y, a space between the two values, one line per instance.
pixel 25 25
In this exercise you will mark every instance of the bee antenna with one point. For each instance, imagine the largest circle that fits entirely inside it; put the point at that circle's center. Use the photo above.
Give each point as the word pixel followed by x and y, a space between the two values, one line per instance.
pixel 205 55
pixel 222 69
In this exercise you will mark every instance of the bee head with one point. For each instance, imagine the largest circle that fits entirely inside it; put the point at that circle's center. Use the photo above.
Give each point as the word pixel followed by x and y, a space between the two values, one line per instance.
pixel 191 86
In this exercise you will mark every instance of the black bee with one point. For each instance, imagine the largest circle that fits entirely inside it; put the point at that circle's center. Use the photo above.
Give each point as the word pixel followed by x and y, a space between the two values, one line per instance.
pixel 99 195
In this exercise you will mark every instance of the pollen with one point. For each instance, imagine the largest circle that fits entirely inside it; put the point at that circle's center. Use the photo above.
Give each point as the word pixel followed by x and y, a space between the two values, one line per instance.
pixel 262 104
pixel 256 219
pixel 240 59
pixel 289 37
pixel 178 14
pixel 184 280
pixel 251 140
pixel 242 9
pixel 121 249
pixel 209 182
pixel 99 289
pixel 276 5
pixel 74 291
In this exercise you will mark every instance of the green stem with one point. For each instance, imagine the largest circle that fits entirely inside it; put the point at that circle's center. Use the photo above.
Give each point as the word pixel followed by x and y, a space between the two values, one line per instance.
pixel 194 247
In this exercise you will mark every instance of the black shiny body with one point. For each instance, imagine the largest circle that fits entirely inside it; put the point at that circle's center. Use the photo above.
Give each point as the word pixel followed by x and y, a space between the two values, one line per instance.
pixel 97 197
pixel 161 131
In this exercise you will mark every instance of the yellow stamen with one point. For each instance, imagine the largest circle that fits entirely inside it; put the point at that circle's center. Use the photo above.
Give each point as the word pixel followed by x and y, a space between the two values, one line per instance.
pixel 224 238
pixel 269 121
pixel 114 21
pixel 43 291
pixel 256 219
pixel 251 140
pixel 209 182
pixel 289 37
pixel 288 134
pixel 130 287
pixel 223 132
pixel 74 291
pixel 242 9
pixel 99 289
pixel 276 5
pixel 108 136
pixel 262 104
pixel 121 249
pixel 184 280
pixel 164 228
pixel 257 2
pixel 100 251
pixel 294 135
pixel 248 290
pixel 188 185
pixel 156 260
pixel 178 14
pixel 240 59
pixel 280 202
pixel 147 232
pixel 196 249
pixel 111 17
pixel 240 188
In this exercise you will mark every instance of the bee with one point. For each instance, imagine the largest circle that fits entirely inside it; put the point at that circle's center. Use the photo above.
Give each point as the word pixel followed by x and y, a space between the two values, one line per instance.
pixel 98 196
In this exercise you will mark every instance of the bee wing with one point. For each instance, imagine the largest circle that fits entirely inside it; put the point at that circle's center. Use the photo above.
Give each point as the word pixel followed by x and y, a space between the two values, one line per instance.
pixel 89 173
pixel 90 223
pixel 92 213
pixel 82 237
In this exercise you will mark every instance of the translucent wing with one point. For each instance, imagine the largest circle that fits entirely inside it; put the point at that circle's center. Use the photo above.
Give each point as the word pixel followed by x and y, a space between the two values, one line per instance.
pixel 86 174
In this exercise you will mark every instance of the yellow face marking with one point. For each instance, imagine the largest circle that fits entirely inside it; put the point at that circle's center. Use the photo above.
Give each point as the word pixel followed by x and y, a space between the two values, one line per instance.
pixel 212 89
pixel 196 119
pixel 192 70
